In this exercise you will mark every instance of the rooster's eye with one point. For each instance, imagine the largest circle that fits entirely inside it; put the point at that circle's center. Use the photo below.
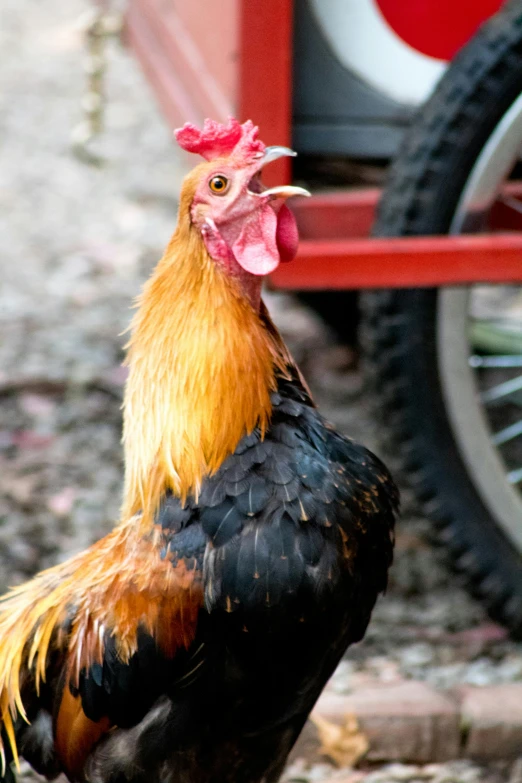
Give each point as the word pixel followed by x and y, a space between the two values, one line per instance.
pixel 218 184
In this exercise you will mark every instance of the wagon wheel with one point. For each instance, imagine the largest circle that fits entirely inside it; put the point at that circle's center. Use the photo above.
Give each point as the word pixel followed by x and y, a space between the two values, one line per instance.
pixel 446 364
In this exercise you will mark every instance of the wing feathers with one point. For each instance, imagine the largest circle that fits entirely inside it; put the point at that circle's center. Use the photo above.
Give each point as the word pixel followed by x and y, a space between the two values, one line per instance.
pixel 75 734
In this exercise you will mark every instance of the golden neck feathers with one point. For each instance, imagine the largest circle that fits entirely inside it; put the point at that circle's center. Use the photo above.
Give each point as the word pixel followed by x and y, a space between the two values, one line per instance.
pixel 202 365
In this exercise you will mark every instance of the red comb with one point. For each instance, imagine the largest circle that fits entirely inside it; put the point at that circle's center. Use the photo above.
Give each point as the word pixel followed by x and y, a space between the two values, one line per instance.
pixel 217 140
pixel 249 145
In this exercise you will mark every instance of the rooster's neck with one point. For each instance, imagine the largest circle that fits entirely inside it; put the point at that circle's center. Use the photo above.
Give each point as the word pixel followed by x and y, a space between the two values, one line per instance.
pixel 202 367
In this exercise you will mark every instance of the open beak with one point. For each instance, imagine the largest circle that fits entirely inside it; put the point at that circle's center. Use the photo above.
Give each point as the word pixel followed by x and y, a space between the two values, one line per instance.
pixel 281 191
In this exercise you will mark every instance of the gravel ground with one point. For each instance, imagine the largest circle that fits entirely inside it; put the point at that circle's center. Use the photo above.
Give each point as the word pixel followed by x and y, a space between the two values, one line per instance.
pixel 76 243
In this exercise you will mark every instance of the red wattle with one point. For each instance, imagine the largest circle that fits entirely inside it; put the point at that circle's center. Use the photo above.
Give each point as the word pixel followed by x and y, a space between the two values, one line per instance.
pixel 287 237
pixel 255 249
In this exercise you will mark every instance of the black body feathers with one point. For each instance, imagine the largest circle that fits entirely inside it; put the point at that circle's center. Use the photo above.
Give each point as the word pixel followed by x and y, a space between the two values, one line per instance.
pixel 293 536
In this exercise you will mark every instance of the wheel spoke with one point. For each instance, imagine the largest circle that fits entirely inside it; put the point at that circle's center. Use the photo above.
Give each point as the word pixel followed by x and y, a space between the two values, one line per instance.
pixel 507 434
pixel 488 362
pixel 515 476
pixel 502 390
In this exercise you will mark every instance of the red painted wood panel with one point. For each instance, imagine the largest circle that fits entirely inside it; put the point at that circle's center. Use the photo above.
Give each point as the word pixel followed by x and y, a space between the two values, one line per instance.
pixel 170 92
pixel 336 215
pixel 213 27
pixel 403 262
pixel 181 58
pixel 265 80
pixel 212 59
pixel 349 214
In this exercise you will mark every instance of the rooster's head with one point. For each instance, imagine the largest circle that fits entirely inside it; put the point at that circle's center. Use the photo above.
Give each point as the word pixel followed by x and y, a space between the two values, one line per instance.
pixel 245 226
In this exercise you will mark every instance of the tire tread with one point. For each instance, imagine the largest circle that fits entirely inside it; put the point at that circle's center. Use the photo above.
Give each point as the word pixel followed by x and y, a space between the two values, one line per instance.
pixel 444 141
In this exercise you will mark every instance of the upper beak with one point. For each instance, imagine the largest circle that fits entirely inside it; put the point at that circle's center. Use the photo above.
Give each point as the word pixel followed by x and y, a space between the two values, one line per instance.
pixel 281 191
pixel 274 153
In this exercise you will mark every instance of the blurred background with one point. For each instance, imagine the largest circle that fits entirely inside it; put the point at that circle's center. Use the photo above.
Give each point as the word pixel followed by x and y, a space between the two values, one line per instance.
pixel 77 240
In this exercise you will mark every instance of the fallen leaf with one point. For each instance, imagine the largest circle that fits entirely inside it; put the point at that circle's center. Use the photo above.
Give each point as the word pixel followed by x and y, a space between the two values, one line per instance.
pixel 344 743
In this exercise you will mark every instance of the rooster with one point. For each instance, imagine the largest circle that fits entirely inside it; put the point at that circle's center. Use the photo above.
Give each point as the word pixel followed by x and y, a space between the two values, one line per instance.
pixel 190 644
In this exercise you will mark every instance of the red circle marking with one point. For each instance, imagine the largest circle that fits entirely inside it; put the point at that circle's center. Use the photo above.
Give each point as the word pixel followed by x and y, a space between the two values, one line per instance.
pixel 438 28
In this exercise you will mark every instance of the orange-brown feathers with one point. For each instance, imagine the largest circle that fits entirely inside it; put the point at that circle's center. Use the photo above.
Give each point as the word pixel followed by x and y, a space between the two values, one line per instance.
pixel 202 366
pixel 118 586
pixel 75 734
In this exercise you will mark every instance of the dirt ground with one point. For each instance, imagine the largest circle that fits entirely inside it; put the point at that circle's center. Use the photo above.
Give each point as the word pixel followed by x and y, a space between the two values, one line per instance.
pixel 76 243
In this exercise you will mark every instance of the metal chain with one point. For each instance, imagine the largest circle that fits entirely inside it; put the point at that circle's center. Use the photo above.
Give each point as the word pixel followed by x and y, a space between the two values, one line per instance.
pixel 98 25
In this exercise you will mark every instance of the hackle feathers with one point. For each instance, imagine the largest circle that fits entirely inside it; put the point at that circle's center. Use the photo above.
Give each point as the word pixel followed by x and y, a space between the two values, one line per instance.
pixel 202 366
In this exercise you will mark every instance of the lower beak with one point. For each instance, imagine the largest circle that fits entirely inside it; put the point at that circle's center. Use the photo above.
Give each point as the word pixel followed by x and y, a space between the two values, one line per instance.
pixel 284 191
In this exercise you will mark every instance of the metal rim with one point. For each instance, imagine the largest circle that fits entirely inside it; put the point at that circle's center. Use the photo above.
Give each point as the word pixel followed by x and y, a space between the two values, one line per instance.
pixel 465 407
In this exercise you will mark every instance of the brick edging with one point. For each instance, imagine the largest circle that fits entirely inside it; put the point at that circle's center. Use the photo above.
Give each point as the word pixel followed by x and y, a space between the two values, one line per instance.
pixel 412 721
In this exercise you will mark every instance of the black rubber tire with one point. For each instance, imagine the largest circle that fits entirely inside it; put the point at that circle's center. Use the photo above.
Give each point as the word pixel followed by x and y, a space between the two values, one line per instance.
pixel 339 310
pixel 399 327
